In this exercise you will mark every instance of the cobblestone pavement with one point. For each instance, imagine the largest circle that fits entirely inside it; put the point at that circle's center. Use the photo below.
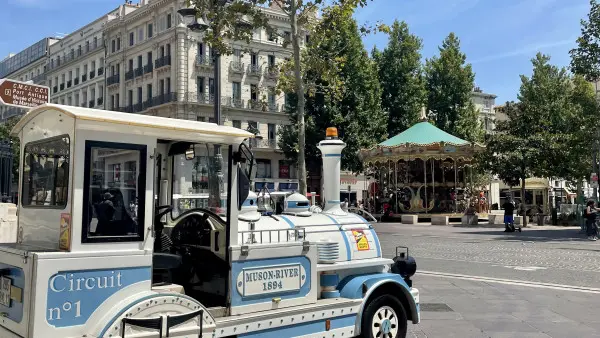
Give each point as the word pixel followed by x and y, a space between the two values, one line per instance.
pixel 470 307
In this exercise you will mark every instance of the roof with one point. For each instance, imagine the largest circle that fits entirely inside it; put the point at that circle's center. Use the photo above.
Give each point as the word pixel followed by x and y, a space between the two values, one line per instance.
pixel 161 126
pixel 423 133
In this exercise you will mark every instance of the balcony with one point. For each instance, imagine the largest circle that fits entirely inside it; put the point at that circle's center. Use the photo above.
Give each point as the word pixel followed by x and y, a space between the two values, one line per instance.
pixel 100 71
pixel 100 101
pixel 163 61
pixel 273 107
pixel 91 103
pixel 204 61
pixel 54 89
pixel 92 74
pixel 147 104
pixel 236 67
pixel 129 75
pixel 272 72
pixel 234 102
pixel 69 83
pixel 76 81
pixel 148 68
pixel 257 105
pixel 164 98
pixel 254 70
pixel 39 78
pixel 62 86
pixel 114 79
pixel 83 78
pixel 139 71
pixel 260 143
pixel 200 98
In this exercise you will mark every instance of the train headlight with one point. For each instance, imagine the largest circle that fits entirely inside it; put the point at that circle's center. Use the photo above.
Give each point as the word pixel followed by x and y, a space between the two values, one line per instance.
pixel 404 265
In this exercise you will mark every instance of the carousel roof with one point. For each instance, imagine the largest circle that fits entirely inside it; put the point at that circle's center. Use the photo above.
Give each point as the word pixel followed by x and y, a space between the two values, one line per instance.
pixel 423 133
pixel 421 141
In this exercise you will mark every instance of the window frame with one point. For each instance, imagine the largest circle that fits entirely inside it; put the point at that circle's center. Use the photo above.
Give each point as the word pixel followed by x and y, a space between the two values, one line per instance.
pixel 143 149
pixel 35 206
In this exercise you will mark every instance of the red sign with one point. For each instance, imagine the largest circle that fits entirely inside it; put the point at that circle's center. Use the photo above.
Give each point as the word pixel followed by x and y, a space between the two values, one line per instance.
pixel 284 171
pixel 21 94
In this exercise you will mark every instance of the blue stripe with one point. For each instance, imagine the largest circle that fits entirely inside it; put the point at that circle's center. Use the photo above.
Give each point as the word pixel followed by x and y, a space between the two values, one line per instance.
pixel 377 244
pixel 344 236
pixel 110 323
pixel 287 220
pixel 332 155
pixel 303 329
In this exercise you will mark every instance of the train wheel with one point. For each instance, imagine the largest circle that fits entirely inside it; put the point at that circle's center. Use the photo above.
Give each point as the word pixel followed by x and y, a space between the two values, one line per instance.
pixel 384 317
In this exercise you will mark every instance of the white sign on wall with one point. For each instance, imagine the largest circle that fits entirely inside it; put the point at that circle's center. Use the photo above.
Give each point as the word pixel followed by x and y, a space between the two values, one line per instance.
pixel 271 279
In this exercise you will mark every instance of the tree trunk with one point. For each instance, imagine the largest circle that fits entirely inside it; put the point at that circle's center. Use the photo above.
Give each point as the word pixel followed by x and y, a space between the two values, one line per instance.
pixel 523 207
pixel 300 94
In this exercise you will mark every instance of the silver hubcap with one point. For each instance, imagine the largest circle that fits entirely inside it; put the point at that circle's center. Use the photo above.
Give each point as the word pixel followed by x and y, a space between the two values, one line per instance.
pixel 385 323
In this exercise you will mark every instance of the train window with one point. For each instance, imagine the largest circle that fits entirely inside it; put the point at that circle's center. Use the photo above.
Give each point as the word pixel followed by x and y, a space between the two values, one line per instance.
pixel 46 173
pixel 114 192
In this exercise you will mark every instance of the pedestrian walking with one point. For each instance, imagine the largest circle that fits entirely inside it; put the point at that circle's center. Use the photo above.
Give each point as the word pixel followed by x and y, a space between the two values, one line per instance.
pixel 509 219
pixel 590 221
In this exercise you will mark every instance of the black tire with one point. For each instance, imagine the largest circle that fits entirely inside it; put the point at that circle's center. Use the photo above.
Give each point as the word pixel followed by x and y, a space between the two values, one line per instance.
pixel 377 306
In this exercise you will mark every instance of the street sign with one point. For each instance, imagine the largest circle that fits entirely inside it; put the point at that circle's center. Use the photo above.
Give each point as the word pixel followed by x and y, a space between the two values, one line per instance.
pixel 23 95
pixel 594 180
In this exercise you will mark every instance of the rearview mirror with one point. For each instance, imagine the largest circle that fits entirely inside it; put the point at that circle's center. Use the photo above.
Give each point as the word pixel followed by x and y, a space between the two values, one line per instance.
pixel 190 153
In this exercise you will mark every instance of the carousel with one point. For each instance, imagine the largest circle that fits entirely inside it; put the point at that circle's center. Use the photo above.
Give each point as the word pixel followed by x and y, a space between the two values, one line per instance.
pixel 423 170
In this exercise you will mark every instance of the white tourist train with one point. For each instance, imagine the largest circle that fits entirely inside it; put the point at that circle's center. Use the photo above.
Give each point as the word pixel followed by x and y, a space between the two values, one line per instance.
pixel 140 226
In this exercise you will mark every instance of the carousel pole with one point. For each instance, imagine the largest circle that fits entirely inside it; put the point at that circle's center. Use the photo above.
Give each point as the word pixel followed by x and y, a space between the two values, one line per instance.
pixel 425 183
pixel 433 178
pixel 396 180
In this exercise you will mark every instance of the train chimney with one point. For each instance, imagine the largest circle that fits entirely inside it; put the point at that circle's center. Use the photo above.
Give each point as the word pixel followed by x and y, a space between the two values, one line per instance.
pixel 331 151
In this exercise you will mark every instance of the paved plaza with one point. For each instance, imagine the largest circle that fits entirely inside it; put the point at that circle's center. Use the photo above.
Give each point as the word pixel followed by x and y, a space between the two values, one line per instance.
pixel 481 282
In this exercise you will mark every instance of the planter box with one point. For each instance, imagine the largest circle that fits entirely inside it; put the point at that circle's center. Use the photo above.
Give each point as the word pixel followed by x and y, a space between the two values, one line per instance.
pixel 409 219
pixel 440 220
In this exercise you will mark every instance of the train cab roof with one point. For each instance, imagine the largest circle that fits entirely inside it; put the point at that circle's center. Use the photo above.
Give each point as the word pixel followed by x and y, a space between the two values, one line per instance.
pixel 162 128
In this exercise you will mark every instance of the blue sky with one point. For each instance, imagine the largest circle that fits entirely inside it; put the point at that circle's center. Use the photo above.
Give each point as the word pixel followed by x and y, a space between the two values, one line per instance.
pixel 499 37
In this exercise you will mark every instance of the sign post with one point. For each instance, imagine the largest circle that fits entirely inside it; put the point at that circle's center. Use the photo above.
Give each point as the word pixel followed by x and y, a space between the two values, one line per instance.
pixel 594 180
pixel 22 94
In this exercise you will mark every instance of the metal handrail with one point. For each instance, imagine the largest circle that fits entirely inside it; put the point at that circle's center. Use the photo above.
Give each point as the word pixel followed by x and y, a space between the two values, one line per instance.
pixel 297 235
pixel 363 213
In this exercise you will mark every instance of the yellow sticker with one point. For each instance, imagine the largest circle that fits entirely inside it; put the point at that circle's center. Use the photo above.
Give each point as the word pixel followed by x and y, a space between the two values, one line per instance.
pixel 362 242
pixel 65 232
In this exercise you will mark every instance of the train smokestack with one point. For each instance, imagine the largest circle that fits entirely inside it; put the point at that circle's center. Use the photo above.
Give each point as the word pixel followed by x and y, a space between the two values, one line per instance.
pixel 331 151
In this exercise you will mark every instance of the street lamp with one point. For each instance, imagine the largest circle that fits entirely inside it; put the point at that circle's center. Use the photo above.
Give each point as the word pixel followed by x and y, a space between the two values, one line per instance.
pixel 190 19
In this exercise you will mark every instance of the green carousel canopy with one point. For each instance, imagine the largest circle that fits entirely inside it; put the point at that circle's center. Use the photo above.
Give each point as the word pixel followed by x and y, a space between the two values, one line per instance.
pixel 421 141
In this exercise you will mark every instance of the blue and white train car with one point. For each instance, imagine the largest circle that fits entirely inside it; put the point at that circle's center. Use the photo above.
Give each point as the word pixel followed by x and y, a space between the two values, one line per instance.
pixel 105 250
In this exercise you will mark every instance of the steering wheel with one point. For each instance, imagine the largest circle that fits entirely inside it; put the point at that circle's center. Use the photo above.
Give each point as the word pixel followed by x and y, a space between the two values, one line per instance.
pixel 192 229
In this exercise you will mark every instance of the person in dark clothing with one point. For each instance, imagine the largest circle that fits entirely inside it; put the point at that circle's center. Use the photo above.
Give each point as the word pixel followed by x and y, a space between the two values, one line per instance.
pixel 509 220
pixel 590 221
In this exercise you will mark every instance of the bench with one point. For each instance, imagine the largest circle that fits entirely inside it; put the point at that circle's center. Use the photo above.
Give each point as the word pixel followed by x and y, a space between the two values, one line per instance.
pixel 440 220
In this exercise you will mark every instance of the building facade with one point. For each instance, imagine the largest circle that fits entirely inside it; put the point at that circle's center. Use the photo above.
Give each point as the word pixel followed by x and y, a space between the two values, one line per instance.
pixel 141 59
pixel 485 105
pixel 29 65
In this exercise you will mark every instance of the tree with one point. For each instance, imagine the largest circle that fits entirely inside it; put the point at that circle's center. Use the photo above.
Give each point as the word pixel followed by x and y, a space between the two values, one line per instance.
pixel 401 77
pixel 536 138
pixel 302 17
pixel 449 83
pixel 354 107
pixel 5 129
pixel 585 60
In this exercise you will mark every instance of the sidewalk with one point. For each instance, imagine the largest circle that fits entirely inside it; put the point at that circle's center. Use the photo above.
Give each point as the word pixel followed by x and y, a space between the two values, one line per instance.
pixel 465 308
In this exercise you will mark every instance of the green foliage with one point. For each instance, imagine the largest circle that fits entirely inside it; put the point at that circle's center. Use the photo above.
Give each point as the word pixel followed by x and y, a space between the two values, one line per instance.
pixel 585 58
pixel 354 108
pixel 401 77
pixel 449 83
pixel 5 129
pixel 235 21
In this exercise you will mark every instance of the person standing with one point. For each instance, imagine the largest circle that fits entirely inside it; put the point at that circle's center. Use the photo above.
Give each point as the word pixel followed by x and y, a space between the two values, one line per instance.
pixel 590 221
pixel 509 219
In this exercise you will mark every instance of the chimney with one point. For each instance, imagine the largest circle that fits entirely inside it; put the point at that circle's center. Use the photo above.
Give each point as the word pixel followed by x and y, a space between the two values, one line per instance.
pixel 331 151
